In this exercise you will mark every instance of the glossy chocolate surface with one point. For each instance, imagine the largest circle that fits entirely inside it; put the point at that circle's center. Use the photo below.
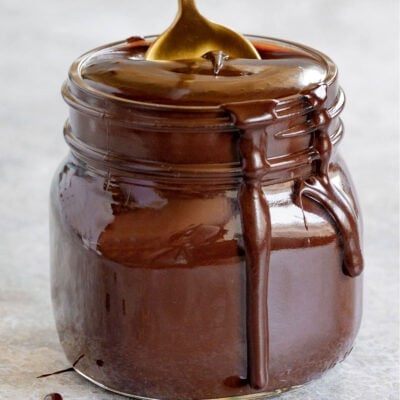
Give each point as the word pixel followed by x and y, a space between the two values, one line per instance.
pixel 205 232
pixel 122 72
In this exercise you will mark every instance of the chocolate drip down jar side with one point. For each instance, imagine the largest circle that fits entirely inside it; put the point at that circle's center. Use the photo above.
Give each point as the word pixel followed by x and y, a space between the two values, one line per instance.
pixel 205 232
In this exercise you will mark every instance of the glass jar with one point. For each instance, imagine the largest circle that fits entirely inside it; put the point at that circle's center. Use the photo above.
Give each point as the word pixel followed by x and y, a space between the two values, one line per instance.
pixel 206 244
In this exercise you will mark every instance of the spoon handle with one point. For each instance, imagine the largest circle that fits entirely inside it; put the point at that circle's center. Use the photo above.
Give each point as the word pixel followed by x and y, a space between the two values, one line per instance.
pixel 187 6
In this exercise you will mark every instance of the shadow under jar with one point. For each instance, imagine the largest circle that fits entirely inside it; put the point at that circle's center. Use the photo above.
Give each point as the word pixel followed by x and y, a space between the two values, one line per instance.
pixel 205 235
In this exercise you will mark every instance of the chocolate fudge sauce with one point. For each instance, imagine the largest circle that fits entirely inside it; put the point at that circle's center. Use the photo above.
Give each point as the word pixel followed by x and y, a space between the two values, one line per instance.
pixel 205 234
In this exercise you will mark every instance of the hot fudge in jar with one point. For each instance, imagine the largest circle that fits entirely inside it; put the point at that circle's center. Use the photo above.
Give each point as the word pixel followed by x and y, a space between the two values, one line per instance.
pixel 205 231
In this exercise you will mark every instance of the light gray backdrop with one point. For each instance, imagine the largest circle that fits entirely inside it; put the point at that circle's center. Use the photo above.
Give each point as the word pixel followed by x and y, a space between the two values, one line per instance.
pixel 39 40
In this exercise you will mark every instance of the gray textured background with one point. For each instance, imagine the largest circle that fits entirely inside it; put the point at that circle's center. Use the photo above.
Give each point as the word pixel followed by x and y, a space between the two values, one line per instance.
pixel 39 40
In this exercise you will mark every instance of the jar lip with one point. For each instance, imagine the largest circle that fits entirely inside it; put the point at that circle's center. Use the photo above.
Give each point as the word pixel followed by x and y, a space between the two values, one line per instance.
pixel 76 78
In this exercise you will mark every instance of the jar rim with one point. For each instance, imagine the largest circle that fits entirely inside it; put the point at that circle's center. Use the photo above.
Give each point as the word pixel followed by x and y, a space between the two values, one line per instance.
pixel 76 82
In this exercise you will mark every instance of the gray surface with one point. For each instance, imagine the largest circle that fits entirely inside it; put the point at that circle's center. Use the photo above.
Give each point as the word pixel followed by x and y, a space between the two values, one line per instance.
pixel 38 41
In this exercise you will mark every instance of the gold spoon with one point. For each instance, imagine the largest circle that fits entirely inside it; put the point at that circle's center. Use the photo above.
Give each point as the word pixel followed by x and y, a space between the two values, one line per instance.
pixel 193 36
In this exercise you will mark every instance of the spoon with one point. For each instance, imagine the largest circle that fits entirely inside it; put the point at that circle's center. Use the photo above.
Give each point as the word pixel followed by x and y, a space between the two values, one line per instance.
pixel 193 36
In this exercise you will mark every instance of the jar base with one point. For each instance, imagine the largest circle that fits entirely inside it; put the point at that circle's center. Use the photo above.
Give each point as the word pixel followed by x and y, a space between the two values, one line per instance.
pixel 254 396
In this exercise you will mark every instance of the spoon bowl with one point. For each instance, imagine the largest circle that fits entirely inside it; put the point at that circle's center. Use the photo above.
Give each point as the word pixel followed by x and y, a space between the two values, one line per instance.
pixel 192 36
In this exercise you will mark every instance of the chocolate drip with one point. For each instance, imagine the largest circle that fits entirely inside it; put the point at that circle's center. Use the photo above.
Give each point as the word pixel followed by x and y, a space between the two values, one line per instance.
pixel 63 371
pixel 251 120
pixel 321 190
pixel 217 59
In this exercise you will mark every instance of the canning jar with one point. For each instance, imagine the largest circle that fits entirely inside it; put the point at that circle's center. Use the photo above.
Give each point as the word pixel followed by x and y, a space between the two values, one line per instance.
pixel 205 233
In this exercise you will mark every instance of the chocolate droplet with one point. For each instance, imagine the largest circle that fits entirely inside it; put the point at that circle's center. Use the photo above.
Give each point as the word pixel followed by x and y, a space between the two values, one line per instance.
pixel 217 59
pixel 53 396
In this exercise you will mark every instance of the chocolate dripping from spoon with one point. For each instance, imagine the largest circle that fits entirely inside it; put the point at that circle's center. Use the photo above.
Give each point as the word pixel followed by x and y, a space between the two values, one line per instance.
pixel 217 59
